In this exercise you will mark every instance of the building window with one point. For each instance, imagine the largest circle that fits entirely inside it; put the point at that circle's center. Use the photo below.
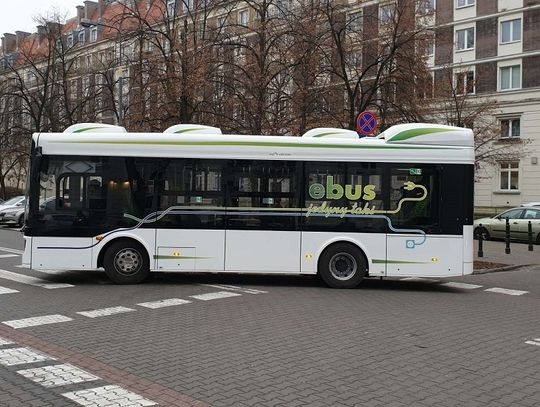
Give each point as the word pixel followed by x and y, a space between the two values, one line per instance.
pixel 222 23
pixel 187 5
pixel 243 17
pixel 82 37
pixel 171 8
pixel 354 22
pixel 387 13
pixel 430 47
pixel 509 176
pixel 427 6
pixel 511 31
pixel 465 3
pixel 510 77
pixel 510 128
pixel 465 39
pixel 93 34
pixel 465 83
pixel 70 40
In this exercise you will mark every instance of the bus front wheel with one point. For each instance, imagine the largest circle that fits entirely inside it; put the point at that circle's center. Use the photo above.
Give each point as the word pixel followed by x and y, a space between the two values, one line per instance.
pixel 342 265
pixel 126 262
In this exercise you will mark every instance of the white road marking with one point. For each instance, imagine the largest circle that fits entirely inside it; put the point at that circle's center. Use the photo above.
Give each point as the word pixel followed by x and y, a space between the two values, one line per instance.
pixel 21 356
pixel 36 321
pixel 235 288
pixel 29 280
pixel 5 290
pixel 462 285
pixel 4 342
pixel 57 375
pixel 5 256
pixel 103 312
pixel 10 250
pixel 110 396
pixel 214 296
pixel 533 342
pixel 164 303
pixel 506 291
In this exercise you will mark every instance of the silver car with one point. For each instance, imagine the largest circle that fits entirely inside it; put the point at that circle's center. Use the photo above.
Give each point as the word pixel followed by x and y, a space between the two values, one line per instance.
pixel 13 215
pixel 519 218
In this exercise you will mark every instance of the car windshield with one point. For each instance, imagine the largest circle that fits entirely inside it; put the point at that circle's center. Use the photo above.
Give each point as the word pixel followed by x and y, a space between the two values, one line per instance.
pixel 13 201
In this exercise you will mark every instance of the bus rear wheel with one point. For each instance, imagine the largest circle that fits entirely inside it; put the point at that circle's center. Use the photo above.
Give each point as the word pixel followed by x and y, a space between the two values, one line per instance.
pixel 126 262
pixel 342 265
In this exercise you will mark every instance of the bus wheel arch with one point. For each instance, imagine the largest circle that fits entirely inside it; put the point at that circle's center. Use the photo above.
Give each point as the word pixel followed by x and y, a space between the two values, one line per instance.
pixel 125 260
pixel 342 264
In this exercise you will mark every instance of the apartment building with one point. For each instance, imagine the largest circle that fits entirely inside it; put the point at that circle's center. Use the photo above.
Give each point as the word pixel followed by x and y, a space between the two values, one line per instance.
pixel 495 55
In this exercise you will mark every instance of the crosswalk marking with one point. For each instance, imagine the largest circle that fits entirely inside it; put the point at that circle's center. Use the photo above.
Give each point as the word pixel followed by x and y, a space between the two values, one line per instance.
pixel 235 288
pixel 103 312
pixel 506 291
pixel 5 256
pixel 36 321
pixel 461 285
pixel 57 375
pixel 4 342
pixel 29 280
pixel 164 303
pixel 5 290
pixel 21 356
pixel 533 342
pixel 111 396
pixel 10 250
pixel 214 296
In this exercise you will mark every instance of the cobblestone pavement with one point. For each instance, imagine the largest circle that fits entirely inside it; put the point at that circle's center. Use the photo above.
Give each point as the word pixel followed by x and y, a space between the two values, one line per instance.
pixel 74 339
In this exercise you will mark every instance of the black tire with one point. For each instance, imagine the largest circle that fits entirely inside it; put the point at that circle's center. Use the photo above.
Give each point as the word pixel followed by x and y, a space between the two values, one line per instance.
pixel 481 231
pixel 126 262
pixel 342 265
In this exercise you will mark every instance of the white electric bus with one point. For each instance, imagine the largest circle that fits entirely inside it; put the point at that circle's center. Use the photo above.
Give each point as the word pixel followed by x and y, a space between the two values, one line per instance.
pixel 194 200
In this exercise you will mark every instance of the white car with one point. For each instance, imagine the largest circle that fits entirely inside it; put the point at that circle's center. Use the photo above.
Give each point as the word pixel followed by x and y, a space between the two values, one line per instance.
pixel 13 202
pixel 13 215
pixel 531 204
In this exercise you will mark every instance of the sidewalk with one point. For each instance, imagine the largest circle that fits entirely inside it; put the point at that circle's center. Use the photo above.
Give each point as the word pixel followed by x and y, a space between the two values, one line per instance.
pixel 519 254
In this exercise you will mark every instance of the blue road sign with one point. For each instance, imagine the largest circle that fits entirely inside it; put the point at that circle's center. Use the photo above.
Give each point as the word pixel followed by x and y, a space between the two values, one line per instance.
pixel 366 123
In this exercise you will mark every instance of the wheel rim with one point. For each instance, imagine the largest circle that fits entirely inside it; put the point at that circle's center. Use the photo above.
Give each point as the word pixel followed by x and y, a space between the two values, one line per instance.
pixel 127 261
pixel 343 266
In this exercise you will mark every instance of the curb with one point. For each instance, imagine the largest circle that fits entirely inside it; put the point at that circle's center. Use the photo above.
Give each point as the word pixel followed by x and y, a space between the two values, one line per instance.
pixel 497 269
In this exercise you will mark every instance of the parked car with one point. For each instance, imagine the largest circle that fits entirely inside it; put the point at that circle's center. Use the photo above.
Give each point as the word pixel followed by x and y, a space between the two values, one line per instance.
pixel 530 204
pixel 495 227
pixel 13 203
pixel 13 215
pixel 10 203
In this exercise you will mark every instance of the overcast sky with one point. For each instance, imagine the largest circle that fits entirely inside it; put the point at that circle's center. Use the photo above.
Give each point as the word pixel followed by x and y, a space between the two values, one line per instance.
pixel 20 14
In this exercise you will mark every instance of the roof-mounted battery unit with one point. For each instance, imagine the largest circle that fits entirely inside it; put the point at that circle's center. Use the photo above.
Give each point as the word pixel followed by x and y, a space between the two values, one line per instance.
pixel 432 134
pixel 94 128
pixel 192 129
pixel 329 132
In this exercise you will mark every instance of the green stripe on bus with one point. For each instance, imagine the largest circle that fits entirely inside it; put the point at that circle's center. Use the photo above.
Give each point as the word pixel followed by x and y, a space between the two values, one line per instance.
pixel 380 261
pixel 407 134
pixel 162 257
pixel 86 129
pixel 328 134
pixel 188 130
pixel 251 144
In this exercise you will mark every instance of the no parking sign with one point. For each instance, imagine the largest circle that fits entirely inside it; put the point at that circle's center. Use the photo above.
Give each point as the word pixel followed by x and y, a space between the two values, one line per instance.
pixel 366 123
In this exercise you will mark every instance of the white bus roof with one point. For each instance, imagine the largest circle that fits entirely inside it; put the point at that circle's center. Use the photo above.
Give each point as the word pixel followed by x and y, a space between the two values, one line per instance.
pixel 427 143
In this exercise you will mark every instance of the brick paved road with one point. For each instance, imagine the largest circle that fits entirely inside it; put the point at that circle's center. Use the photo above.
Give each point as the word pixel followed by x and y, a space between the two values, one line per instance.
pixel 183 340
